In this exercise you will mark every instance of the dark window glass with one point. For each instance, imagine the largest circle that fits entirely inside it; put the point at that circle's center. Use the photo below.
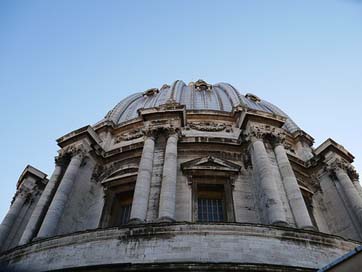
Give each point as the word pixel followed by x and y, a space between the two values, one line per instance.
pixel 210 210
pixel 125 213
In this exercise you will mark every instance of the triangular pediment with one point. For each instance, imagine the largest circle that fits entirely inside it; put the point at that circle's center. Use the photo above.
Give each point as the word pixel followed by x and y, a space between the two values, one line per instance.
pixel 210 163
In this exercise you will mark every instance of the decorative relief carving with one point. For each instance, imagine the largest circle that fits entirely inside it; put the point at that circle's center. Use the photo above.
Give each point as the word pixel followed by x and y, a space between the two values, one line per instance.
pixel 154 131
pixel 171 104
pixel 101 172
pixel 151 92
pixel 209 126
pixel 253 97
pixel 128 136
pixel 201 85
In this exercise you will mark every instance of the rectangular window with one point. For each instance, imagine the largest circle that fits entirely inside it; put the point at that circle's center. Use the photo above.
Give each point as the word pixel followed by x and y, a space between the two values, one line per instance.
pixel 210 210
pixel 121 210
pixel 210 203
pixel 124 213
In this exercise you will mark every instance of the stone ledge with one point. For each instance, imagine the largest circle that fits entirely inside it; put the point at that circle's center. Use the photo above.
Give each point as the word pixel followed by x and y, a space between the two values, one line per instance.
pixel 181 242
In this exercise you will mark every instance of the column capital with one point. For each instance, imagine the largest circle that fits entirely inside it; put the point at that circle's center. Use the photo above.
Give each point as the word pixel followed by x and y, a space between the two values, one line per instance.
pixel 172 132
pixel 60 159
pixel 150 133
pixel 74 150
pixel 263 132
pixel 21 193
pixel 339 164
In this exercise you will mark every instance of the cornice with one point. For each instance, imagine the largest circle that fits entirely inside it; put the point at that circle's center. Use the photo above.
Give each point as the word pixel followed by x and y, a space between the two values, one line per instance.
pixel 331 146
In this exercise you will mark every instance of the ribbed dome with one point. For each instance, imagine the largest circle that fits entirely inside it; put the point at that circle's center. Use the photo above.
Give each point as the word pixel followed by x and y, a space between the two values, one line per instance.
pixel 195 96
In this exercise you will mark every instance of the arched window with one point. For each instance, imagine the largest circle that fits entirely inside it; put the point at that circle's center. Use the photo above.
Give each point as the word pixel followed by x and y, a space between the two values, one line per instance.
pixel 118 192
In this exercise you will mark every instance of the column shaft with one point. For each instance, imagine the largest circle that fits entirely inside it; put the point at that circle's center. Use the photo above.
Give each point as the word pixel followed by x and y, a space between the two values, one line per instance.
pixel 40 208
pixel 354 199
pixel 143 182
pixel 294 195
pixel 10 218
pixel 56 208
pixel 268 186
pixel 358 187
pixel 169 177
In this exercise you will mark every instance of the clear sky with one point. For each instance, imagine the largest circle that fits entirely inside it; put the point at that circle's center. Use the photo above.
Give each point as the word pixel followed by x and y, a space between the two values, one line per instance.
pixel 64 64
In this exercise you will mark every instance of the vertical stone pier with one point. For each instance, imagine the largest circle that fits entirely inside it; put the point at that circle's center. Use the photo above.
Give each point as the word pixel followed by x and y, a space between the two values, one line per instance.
pixel 42 205
pixel 10 218
pixel 270 196
pixel 143 182
pixel 350 191
pixel 56 208
pixel 169 176
pixel 294 195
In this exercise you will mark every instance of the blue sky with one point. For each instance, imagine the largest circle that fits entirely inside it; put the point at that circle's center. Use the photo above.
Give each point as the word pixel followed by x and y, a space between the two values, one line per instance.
pixel 64 64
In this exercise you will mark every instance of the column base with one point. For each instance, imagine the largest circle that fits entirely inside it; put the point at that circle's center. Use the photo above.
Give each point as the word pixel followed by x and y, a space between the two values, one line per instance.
pixel 135 221
pixel 165 219
pixel 280 223
pixel 309 228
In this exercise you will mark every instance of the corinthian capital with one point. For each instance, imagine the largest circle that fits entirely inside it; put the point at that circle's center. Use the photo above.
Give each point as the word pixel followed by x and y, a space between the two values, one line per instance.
pixel 150 132
pixel 266 132
pixel 60 159
pixel 74 150
pixel 171 131
pixel 339 164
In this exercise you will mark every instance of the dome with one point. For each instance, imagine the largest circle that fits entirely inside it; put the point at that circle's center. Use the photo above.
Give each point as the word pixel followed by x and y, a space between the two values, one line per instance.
pixel 193 177
pixel 197 95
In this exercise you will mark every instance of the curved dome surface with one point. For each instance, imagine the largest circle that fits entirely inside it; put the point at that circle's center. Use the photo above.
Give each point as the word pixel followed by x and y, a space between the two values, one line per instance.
pixel 195 96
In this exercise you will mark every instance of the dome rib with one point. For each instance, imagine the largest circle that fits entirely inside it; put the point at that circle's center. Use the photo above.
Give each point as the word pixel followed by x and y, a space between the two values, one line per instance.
pixel 222 97
pixel 121 107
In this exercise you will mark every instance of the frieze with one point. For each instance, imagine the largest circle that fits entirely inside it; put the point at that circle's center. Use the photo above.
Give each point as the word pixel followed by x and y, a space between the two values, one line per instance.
pixel 128 136
pixel 209 126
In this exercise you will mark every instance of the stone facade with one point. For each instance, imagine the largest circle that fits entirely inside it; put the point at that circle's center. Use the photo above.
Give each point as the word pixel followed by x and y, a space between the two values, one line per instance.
pixel 129 192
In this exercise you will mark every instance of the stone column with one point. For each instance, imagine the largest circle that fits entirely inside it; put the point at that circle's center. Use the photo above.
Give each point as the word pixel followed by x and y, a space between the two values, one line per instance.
pixel 40 209
pixel 294 195
pixel 350 191
pixel 358 187
pixel 169 177
pixel 143 182
pixel 10 218
pixel 56 208
pixel 268 187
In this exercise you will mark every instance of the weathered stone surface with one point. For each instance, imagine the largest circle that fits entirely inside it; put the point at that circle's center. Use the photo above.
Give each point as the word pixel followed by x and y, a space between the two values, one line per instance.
pixel 228 153
pixel 196 243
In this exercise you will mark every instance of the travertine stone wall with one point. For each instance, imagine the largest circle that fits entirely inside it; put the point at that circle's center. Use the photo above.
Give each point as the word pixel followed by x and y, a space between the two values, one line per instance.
pixel 83 210
pixel 337 213
pixel 244 196
pixel 320 212
pixel 182 243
